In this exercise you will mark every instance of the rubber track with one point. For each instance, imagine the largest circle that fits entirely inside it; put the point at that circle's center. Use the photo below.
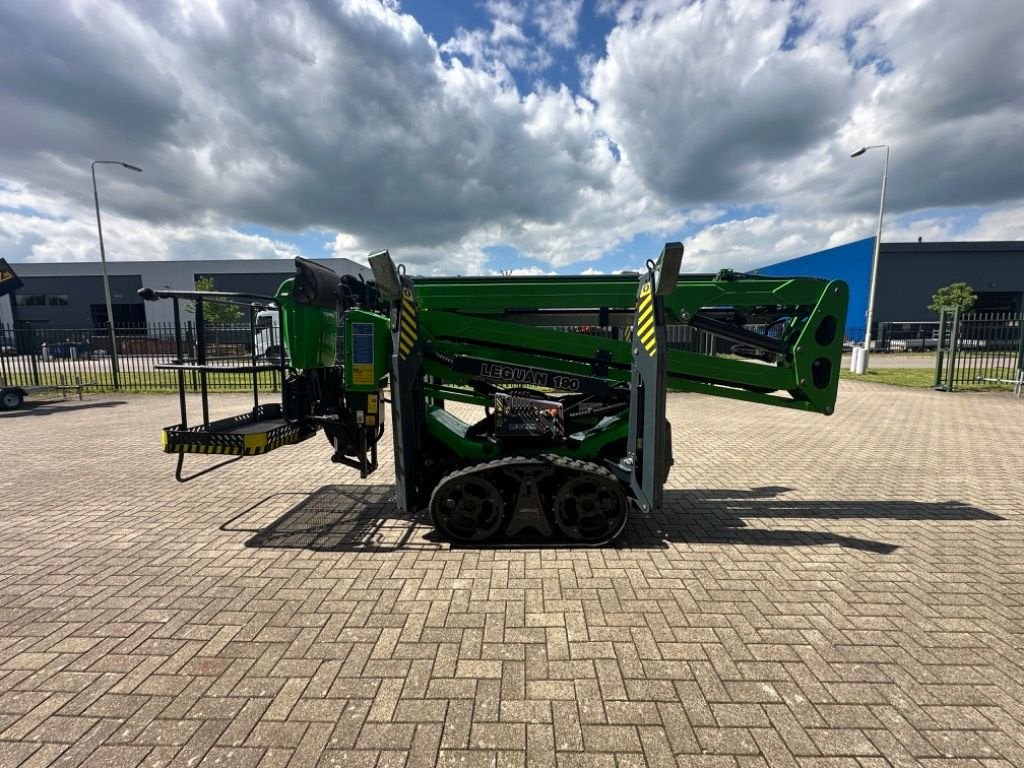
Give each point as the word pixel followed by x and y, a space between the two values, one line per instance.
pixel 544 459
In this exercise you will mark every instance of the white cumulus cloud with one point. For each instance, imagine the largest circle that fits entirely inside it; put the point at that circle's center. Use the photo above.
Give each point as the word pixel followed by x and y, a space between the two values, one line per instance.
pixel 727 123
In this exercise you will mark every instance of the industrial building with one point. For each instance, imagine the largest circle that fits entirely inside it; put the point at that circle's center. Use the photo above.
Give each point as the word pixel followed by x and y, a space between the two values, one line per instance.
pixel 60 295
pixel 71 295
pixel 909 274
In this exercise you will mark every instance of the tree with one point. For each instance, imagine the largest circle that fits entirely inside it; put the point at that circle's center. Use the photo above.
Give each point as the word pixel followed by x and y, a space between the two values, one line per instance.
pixel 215 312
pixel 954 295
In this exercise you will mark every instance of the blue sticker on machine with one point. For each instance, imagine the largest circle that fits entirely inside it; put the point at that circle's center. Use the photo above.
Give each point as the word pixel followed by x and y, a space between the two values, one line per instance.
pixel 362 343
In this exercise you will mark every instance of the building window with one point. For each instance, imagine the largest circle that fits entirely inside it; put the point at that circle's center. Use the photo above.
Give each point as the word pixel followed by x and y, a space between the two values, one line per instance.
pixel 41 300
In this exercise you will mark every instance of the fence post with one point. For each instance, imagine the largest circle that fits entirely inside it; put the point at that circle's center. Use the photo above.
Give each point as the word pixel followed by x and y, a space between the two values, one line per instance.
pixel 1020 352
pixel 3 357
pixel 190 346
pixel 939 351
pixel 954 344
pixel 33 359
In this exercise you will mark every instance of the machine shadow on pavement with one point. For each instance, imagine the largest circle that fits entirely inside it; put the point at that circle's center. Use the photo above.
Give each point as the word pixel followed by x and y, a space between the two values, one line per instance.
pixel 344 518
pixel 721 515
pixel 364 518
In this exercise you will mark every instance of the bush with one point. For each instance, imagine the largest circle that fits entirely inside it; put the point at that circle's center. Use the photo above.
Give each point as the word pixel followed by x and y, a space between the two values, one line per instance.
pixel 215 312
pixel 954 295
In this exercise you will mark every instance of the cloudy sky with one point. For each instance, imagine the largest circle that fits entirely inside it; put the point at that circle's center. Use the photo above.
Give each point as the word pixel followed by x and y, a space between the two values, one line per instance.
pixel 467 137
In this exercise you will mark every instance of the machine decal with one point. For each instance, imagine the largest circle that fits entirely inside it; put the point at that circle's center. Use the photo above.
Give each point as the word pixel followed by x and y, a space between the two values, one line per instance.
pixel 645 320
pixel 528 376
pixel 409 330
pixel 362 353
pixel 516 374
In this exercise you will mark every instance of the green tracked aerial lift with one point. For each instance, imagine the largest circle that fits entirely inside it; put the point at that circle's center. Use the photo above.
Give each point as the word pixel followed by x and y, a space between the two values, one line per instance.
pixel 573 432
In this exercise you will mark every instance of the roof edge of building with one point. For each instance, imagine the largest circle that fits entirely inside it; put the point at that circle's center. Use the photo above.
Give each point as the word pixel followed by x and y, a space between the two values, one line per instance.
pixel 954 245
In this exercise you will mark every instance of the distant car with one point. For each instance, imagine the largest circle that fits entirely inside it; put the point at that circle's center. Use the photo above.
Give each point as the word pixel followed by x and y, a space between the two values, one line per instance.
pixel 8 350
pixel 268 335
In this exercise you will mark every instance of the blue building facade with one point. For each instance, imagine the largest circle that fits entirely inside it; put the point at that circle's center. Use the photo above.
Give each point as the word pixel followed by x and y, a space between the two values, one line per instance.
pixel 850 263
pixel 909 274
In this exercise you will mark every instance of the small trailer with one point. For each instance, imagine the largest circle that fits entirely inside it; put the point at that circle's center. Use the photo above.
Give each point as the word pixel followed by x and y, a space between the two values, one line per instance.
pixel 13 397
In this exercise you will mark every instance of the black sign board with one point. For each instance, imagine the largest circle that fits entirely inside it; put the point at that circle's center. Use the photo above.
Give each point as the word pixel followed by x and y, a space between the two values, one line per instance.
pixel 8 280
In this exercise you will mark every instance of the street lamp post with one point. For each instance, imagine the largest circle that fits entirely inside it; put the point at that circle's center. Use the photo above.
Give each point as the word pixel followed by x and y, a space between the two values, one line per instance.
pixel 874 258
pixel 103 260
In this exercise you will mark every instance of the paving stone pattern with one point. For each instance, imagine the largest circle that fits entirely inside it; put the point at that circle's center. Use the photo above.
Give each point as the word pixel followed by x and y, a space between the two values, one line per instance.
pixel 818 592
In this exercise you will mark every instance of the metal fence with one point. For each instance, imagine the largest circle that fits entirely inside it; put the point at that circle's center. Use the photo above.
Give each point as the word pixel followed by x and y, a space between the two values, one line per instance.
pixel 41 355
pixel 33 355
pixel 985 349
pixel 980 350
pixel 685 338
pixel 888 337
pixel 681 337
pixel 898 337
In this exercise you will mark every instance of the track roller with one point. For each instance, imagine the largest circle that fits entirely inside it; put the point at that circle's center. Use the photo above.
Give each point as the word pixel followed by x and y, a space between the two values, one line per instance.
pixel 590 508
pixel 468 507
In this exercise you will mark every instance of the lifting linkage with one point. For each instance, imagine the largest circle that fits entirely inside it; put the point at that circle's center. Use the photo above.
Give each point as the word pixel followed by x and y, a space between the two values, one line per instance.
pixel 808 315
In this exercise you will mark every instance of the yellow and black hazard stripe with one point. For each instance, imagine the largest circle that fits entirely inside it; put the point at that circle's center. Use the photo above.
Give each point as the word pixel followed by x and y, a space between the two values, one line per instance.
pixel 252 444
pixel 213 450
pixel 645 320
pixel 408 327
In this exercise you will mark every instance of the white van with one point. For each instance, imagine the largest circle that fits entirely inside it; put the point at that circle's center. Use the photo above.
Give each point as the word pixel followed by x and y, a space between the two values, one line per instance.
pixel 268 334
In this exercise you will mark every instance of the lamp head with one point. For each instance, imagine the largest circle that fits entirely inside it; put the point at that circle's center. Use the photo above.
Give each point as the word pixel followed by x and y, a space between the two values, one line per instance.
pixel 859 152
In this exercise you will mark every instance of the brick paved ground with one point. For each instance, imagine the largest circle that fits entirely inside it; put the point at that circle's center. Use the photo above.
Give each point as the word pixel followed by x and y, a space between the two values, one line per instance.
pixel 818 592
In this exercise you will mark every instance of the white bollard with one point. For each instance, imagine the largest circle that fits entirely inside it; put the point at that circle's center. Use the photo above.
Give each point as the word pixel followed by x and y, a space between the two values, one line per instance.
pixel 854 356
pixel 861 362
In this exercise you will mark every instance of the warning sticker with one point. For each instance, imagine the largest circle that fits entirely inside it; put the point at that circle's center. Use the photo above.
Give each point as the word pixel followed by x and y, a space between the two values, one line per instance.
pixel 362 374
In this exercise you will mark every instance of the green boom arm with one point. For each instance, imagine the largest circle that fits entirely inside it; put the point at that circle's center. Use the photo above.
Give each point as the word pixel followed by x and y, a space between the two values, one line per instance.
pixel 500 319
